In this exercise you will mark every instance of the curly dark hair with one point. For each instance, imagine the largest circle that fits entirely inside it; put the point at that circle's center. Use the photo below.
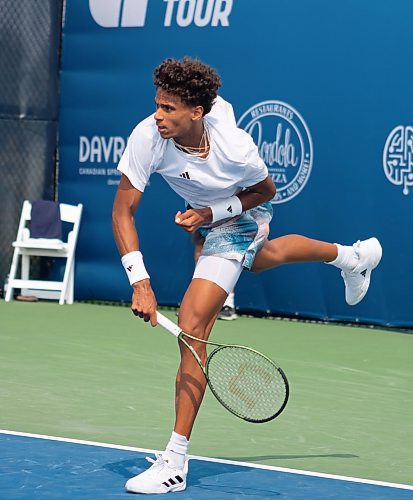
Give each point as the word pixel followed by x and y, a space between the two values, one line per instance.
pixel 190 79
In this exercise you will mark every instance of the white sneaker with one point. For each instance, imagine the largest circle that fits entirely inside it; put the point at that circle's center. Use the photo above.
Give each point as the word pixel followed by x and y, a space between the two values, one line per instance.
pixel 357 281
pixel 163 476
pixel 227 313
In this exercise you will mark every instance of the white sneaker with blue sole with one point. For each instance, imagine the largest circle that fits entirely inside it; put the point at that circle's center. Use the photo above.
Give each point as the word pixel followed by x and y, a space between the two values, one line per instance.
pixel 163 476
pixel 357 281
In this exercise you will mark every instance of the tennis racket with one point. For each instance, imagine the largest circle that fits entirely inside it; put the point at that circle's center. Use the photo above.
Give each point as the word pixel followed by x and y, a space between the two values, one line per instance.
pixel 244 381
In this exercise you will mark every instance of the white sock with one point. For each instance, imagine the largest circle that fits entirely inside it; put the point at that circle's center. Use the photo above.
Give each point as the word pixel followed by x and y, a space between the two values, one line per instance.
pixel 176 449
pixel 346 258
pixel 230 301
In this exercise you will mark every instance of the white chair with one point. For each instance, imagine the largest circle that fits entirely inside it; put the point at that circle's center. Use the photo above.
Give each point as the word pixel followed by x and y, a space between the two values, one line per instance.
pixel 26 247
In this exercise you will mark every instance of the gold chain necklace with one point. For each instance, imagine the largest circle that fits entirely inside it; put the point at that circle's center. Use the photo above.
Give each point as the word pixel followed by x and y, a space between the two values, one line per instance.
pixel 203 148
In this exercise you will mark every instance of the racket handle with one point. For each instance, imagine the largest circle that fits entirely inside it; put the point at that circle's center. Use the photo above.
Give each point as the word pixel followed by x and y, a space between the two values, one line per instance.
pixel 169 325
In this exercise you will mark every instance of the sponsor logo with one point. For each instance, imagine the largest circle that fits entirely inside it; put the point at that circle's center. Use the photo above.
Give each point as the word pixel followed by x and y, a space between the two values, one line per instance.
pixel 101 149
pixel 182 13
pixel 284 143
pixel 119 13
pixel 200 13
pixel 398 157
pixel 99 155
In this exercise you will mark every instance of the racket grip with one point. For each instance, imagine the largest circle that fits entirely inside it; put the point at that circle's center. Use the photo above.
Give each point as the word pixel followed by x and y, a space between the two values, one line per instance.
pixel 169 325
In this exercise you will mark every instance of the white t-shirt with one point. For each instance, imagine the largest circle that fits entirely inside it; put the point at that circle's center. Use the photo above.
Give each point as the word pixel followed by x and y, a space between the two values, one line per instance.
pixel 233 162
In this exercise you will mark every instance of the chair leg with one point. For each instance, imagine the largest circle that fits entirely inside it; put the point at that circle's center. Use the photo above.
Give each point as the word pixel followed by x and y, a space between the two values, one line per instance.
pixel 25 274
pixel 70 285
pixel 12 275
pixel 68 275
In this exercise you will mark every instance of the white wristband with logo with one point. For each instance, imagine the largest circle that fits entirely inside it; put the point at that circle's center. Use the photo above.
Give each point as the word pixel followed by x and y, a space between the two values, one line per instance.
pixel 226 208
pixel 134 267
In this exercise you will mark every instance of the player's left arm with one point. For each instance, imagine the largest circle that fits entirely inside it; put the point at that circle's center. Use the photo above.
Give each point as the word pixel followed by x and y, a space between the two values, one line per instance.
pixel 251 197
pixel 258 193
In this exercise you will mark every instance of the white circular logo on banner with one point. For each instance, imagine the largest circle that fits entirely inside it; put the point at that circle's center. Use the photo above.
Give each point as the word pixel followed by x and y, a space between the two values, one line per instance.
pixel 284 143
pixel 398 157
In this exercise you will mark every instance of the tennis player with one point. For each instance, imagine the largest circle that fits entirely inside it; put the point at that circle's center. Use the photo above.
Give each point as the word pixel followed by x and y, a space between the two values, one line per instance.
pixel 192 141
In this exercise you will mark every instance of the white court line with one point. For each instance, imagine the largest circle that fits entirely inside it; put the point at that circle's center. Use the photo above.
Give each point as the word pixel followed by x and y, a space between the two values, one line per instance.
pixel 216 460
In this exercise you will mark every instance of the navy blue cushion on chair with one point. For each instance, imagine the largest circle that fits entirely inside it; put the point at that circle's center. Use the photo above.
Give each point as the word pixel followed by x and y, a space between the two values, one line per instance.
pixel 45 220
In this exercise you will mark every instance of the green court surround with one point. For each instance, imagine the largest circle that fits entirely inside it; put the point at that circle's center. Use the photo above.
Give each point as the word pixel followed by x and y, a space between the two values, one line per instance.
pixel 95 372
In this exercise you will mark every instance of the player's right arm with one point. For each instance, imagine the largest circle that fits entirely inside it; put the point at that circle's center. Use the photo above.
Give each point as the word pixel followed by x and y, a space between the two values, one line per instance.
pixel 123 221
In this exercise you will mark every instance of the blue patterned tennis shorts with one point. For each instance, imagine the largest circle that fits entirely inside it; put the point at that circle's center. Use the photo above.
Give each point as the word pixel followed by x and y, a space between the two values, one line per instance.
pixel 241 237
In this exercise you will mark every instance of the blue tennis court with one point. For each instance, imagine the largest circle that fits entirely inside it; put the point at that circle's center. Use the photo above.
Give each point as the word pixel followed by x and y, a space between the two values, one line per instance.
pixel 45 467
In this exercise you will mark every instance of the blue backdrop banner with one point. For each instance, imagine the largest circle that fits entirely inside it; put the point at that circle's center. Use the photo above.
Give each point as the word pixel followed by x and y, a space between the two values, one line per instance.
pixel 324 89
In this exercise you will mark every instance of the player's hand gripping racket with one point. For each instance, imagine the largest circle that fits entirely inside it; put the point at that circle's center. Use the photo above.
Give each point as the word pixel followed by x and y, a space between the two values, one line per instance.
pixel 244 381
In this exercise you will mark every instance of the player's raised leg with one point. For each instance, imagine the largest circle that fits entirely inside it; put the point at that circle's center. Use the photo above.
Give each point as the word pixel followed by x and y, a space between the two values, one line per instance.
pixel 356 262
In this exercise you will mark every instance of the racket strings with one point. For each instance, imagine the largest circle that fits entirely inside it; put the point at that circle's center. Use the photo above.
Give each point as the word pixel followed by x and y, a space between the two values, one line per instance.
pixel 247 383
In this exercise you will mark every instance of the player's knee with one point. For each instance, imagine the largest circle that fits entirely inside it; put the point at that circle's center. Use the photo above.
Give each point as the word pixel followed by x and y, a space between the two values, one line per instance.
pixel 194 325
pixel 199 333
pixel 197 346
pixel 271 258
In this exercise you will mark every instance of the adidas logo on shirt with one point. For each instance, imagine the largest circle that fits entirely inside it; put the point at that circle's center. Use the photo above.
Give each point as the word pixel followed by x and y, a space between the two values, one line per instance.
pixel 229 209
pixel 184 175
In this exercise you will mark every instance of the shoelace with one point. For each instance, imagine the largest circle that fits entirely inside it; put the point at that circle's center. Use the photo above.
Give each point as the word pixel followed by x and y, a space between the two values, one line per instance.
pixel 158 462
pixel 356 271
pixel 359 267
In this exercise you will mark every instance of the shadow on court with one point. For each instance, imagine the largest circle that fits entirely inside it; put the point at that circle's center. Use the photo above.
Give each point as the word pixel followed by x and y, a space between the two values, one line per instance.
pixel 216 478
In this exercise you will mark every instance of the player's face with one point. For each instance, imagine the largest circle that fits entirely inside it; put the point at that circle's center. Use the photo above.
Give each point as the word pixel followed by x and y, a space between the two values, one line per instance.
pixel 174 118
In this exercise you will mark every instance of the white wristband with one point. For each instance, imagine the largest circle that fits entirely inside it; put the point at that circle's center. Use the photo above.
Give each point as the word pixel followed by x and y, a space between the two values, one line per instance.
pixel 226 208
pixel 134 267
